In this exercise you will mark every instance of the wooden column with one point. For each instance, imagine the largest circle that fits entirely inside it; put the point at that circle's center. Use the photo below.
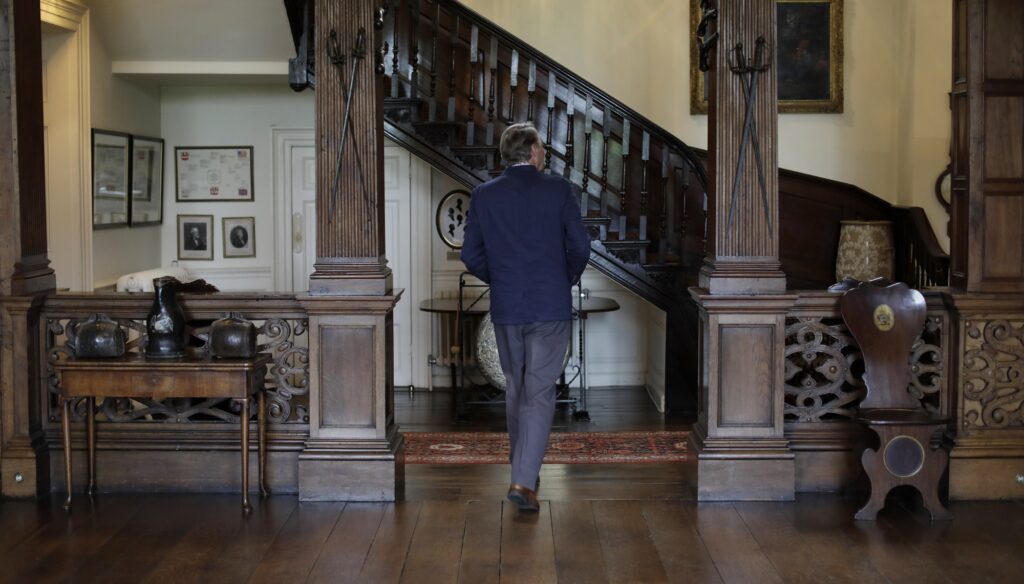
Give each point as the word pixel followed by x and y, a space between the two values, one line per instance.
pixel 741 451
pixel 352 450
pixel 25 273
pixel 987 249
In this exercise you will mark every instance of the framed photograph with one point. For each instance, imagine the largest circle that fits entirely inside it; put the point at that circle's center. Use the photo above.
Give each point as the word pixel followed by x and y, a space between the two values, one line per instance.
pixel 239 237
pixel 195 237
pixel 808 57
pixel 213 173
pixel 147 181
pixel 111 167
pixel 451 216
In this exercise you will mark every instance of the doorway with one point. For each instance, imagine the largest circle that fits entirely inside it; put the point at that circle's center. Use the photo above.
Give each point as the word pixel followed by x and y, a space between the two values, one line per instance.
pixel 406 229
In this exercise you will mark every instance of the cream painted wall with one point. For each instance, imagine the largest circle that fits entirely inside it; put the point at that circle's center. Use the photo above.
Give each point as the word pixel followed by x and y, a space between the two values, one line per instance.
pixel 892 139
pixel 230 115
pixel 125 106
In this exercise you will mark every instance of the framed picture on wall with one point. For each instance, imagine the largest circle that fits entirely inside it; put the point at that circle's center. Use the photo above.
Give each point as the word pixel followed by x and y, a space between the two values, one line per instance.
pixel 808 57
pixel 111 167
pixel 147 181
pixel 239 237
pixel 451 216
pixel 213 173
pixel 195 237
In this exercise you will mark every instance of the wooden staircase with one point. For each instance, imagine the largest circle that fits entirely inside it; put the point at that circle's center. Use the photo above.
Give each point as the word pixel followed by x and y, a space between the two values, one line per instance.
pixel 454 81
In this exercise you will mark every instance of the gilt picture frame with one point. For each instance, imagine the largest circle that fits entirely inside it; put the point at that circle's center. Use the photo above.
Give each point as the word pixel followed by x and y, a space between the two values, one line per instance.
pixel 808 58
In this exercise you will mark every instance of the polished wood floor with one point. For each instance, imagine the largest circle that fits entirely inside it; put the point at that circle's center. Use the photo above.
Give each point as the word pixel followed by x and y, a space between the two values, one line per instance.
pixel 598 523
pixel 205 538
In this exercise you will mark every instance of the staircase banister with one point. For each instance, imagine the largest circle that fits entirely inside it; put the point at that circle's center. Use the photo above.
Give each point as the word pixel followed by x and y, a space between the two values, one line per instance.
pixel 529 52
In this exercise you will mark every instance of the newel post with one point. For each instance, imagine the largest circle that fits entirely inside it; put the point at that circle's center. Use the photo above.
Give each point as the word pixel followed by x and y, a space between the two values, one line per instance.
pixel 25 273
pixel 353 445
pixel 741 450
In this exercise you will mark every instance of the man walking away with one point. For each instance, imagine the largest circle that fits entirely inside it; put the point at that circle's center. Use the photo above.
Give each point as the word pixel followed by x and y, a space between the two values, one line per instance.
pixel 526 239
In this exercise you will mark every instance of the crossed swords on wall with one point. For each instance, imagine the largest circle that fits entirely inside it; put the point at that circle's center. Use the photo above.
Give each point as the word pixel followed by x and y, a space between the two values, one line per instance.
pixel 748 74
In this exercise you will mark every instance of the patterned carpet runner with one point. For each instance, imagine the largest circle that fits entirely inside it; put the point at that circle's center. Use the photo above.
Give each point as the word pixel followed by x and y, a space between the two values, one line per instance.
pixel 564 447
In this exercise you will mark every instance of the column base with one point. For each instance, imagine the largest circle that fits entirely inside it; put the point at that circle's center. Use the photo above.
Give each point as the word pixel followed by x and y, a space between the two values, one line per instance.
pixel 981 468
pixel 720 277
pixel 744 470
pixel 349 470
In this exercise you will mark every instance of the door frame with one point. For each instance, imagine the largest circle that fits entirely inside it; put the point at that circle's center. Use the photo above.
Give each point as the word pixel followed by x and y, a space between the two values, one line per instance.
pixel 284 140
pixel 73 17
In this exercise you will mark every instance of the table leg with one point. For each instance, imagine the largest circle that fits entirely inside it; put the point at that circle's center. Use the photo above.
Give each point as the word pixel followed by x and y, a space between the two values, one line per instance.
pixel 261 427
pixel 65 425
pixel 244 421
pixel 90 425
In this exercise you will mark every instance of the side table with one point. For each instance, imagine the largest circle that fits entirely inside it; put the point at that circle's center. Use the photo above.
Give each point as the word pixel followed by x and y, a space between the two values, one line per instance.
pixel 135 376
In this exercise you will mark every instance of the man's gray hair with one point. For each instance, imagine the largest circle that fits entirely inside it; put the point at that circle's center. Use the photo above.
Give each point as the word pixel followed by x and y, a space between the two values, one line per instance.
pixel 517 143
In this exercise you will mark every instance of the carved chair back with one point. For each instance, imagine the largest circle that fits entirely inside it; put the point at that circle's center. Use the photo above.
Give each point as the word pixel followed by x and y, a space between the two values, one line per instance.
pixel 885 319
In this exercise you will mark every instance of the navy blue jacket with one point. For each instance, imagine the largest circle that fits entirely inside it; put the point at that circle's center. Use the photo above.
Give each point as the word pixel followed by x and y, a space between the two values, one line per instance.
pixel 525 237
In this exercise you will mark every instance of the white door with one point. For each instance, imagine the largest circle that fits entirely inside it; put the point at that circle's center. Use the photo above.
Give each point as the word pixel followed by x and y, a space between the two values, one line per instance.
pixel 405 253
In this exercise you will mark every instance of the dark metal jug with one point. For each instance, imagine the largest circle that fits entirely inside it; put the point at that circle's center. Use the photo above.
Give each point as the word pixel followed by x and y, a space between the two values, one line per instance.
pixel 233 337
pixel 96 337
pixel 165 324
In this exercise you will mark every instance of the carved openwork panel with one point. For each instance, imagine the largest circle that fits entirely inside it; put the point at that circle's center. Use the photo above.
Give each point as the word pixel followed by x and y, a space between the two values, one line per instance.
pixel 824 368
pixel 286 383
pixel 992 374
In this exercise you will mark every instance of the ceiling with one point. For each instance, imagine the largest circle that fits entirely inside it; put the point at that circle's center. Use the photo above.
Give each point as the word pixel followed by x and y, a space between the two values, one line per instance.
pixel 193 30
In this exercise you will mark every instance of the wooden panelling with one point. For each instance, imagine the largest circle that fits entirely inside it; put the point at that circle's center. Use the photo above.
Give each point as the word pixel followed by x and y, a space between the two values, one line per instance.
pixel 746 371
pixel 346 391
pixel 1003 256
pixel 1004 39
pixel 1004 137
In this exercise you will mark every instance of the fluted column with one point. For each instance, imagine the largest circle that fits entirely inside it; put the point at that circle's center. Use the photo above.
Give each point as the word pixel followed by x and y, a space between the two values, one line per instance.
pixel 352 452
pixel 741 450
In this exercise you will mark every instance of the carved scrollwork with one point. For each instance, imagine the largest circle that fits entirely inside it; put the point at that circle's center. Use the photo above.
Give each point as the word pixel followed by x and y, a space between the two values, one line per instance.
pixel 824 369
pixel 286 383
pixel 992 374
pixel 820 376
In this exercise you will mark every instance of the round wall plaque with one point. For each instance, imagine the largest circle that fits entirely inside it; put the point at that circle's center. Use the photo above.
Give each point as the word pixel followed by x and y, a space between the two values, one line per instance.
pixel 451 217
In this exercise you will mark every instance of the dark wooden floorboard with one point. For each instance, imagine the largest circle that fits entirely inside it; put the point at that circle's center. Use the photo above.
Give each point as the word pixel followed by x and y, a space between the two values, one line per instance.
pixel 21 518
pixel 481 553
pixel 679 545
pixel 736 554
pixel 343 554
pixel 297 545
pixel 144 540
pixel 200 545
pixel 436 544
pixel 391 545
pixel 527 545
pixel 827 555
pixel 578 555
pixel 237 561
pixel 629 552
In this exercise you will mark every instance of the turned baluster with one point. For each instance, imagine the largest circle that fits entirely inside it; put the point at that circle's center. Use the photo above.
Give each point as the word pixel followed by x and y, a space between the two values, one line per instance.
pixel 513 82
pixel 433 62
pixel 492 63
pixel 552 86
pixel 683 218
pixel 606 132
pixel 414 42
pixel 395 77
pixel 451 68
pixel 625 176
pixel 570 112
pixel 474 33
pixel 531 87
pixel 588 128
pixel 645 156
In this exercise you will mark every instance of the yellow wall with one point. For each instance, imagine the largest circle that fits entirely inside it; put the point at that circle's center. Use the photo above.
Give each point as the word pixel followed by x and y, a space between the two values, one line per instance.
pixel 891 140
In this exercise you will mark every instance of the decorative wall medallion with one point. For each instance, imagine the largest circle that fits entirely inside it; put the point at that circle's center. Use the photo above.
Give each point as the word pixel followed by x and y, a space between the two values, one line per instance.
pixel 452 214
pixel 884 319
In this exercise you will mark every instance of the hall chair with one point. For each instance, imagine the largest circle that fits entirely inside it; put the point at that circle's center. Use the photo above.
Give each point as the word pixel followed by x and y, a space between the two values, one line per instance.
pixel 885 319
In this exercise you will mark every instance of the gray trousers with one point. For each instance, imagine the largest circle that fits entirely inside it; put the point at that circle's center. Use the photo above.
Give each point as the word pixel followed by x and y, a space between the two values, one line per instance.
pixel 531 359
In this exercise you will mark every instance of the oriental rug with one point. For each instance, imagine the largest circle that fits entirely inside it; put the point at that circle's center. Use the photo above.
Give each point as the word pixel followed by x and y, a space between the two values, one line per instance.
pixel 563 448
